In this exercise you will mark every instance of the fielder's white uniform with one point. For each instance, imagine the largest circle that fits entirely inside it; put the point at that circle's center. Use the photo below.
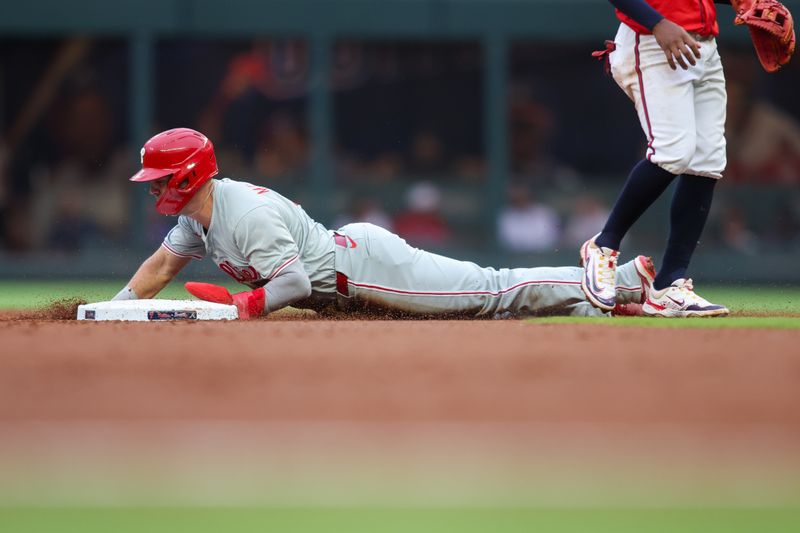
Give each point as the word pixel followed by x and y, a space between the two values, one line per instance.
pixel 682 112
pixel 257 235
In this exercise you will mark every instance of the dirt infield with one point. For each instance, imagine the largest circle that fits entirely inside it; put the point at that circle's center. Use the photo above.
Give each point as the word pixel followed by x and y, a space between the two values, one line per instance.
pixel 535 392
pixel 396 370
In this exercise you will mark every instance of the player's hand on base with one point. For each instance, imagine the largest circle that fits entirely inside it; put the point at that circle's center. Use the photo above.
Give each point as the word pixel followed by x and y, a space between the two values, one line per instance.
pixel 677 44
pixel 250 304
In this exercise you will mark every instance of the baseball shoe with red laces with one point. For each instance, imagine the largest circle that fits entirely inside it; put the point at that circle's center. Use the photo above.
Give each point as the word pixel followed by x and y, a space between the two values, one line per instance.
pixel 599 274
pixel 678 301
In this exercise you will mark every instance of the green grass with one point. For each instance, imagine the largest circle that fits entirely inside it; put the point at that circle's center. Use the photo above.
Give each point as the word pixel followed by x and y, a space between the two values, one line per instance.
pixel 416 520
pixel 33 294
pixel 776 322
pixel 752 307
pixel 756 300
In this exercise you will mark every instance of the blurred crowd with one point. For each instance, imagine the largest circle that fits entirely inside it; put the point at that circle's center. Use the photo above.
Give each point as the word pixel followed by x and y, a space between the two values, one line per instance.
pixel 408 138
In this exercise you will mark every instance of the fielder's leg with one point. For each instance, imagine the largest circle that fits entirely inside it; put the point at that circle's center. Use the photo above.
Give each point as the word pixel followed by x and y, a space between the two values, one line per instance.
pixel 693 195
pixel 673 293
pixel 664 101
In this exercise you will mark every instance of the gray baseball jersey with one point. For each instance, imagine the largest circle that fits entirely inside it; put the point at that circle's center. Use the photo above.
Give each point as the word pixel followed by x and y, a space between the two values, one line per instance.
pixel 255 234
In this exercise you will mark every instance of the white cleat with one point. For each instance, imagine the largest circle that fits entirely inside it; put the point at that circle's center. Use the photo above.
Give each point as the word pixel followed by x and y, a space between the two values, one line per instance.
pixel 599 275
pixel 680 301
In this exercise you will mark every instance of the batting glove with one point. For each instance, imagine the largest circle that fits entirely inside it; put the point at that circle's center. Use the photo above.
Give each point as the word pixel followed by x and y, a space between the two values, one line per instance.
pixel 250 304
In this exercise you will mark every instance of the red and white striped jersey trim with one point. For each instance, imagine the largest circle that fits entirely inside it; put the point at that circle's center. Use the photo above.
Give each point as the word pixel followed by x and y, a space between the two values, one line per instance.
pixel 628 289
pixel 179 254
pixel 459 293
pixel 650 151
pixel 283 266
pixel 370 286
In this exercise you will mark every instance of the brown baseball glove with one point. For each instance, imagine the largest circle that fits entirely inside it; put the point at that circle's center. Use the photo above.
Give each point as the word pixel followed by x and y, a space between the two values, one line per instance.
pixel 771 29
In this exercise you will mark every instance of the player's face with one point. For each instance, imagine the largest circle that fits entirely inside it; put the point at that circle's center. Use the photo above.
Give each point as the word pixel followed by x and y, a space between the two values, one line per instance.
pixel 157 187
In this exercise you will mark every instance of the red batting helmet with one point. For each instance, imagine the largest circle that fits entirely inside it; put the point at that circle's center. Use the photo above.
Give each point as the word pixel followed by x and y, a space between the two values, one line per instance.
pixel 187 156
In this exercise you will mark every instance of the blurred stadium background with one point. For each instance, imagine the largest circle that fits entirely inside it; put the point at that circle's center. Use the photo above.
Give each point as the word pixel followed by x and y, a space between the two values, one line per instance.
pixel 482 129
pixel 479 128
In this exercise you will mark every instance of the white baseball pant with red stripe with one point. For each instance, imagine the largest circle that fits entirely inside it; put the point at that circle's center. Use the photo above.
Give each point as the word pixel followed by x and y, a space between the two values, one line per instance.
pixel 682 112
pixel 378 267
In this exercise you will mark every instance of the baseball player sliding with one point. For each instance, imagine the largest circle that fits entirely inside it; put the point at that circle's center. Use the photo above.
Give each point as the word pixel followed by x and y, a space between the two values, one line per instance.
pixel 664 57
pixel 270 244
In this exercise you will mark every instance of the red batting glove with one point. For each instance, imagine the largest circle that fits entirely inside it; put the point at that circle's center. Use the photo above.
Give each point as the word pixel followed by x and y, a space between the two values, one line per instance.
pixel 250 304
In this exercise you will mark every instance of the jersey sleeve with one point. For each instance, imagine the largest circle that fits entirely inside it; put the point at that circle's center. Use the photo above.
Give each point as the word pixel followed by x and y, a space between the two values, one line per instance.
pixel 183 241
pixel 291 285
pixel 264 239
pixel 640 11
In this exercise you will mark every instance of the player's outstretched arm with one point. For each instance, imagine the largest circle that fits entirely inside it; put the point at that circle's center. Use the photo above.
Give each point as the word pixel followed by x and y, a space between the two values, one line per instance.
pixel 291 285
pixel 153 275
pixel 250 304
